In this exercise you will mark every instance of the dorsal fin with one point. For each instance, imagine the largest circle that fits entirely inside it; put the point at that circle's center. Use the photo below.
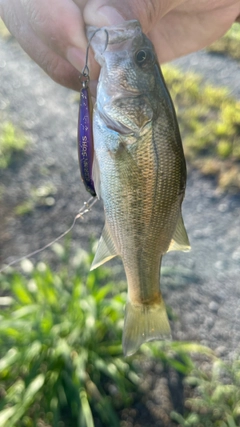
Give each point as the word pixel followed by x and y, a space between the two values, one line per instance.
pixel 179 240
pixel 106 249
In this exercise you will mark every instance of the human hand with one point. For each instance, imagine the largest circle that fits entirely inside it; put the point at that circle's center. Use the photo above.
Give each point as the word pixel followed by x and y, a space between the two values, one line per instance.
pixel 52 32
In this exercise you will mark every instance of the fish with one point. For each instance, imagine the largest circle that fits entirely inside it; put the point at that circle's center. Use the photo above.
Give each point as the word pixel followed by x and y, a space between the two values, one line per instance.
pixel 139 172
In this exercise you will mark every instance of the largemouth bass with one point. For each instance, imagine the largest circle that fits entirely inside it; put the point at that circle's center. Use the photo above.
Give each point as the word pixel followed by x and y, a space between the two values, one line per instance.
pixel 139 172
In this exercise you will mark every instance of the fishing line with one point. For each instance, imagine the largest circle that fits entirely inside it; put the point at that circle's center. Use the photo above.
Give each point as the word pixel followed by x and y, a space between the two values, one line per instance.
pixel 88 139
pixel 84 209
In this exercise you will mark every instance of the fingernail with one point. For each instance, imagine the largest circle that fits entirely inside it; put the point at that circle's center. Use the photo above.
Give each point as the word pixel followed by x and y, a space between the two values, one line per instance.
pixel 108 15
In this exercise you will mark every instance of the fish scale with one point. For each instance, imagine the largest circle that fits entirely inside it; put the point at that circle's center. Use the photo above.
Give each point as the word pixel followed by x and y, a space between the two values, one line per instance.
pixel 139 172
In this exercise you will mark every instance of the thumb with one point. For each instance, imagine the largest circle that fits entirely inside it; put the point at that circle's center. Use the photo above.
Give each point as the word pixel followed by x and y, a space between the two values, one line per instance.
pixel 102 13
pixel 113 12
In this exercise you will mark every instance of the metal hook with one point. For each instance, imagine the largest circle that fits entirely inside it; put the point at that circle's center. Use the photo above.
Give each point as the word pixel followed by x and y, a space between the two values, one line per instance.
pixel 84 77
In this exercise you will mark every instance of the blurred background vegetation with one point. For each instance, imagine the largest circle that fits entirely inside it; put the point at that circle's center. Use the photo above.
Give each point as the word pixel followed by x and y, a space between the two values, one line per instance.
pixel 61 360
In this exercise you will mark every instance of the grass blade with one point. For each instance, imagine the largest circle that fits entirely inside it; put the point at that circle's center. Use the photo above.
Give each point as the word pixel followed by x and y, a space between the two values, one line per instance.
pixel 86 410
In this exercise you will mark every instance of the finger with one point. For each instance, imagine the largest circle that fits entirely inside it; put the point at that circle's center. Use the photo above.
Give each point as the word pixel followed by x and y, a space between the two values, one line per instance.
pixel 60 70
pixel 55 66
pixel 113 12
pixel 192 31
pixel 58 23
pixel 93 87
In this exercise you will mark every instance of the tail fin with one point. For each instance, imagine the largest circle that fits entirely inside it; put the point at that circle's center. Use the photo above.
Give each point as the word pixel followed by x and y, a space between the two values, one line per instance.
pixel 144 323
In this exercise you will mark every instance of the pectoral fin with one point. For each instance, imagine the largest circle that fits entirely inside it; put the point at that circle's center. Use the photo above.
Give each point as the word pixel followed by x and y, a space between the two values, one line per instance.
pixel 96 175
pixel 128 123
pixel 180 240
pixel 106 249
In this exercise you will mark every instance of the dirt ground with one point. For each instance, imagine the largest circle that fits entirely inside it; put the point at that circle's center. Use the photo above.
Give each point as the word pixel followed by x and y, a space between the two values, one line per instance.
pixel 205 291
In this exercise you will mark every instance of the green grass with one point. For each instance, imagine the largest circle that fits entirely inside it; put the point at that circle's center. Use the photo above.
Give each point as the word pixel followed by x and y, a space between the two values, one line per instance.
pixel 41 196
pixel 12 144
pixel 60 348
pixel 229 43
pixel 61 359
pixel 216 400
pixel 209 120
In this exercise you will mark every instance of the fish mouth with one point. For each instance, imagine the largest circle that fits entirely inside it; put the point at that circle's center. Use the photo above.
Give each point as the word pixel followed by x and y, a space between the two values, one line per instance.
pixel 115 35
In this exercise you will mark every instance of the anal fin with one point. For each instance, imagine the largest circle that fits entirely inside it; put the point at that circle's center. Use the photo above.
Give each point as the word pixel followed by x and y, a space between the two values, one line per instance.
pixel 144 323
pixel 106 249
pixel 179 240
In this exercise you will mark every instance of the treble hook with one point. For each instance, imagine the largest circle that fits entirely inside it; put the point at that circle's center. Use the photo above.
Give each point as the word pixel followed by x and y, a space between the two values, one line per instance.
pixel 85 71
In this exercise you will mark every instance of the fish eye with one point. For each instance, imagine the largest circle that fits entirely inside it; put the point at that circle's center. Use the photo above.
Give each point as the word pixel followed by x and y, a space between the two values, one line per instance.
pixel 143 57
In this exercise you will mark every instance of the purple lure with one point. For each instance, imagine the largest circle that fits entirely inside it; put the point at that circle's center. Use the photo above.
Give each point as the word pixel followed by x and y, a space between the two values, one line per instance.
pixel 85 140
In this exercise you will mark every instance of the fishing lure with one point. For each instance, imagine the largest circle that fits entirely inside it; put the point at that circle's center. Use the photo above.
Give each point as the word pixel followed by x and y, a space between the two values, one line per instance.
pixel 85 132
